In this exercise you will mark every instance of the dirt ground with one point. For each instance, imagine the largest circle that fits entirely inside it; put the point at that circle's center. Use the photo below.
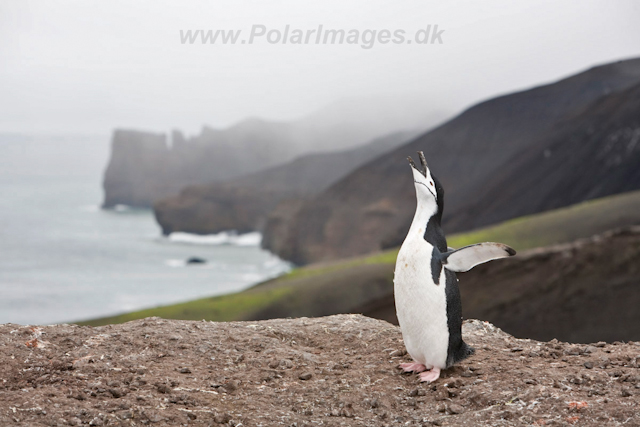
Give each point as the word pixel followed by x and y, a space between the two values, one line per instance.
pixel 332 371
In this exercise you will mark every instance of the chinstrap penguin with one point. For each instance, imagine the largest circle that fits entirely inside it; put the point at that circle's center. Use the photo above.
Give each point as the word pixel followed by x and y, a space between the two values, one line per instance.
pixel 426 289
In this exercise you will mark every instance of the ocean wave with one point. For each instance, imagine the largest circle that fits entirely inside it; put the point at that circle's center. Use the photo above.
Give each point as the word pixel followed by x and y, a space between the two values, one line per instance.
pixel 223 238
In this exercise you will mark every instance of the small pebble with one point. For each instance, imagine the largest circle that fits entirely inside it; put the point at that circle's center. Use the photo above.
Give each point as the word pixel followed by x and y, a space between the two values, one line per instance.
pixel 117 393
pixel 305 376
pixel 230 385
pixel 163 388
pixel 455 409
pixel 222 418
pixel 417 392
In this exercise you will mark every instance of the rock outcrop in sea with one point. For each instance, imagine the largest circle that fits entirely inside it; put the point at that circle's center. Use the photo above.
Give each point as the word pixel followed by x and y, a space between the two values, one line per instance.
pixel 145 168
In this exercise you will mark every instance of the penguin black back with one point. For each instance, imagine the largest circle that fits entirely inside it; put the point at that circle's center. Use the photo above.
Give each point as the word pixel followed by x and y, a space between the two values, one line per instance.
pixel 457 350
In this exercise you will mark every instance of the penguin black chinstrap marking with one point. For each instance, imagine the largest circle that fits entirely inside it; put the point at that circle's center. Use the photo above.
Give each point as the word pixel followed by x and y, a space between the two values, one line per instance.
pixel 426 289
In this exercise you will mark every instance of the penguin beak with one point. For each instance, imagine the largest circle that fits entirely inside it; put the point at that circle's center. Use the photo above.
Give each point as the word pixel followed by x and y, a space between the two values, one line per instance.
pixel 423 161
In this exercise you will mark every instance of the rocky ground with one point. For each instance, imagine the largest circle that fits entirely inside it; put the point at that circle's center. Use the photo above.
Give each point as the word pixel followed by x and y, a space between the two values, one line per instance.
pixel 332 371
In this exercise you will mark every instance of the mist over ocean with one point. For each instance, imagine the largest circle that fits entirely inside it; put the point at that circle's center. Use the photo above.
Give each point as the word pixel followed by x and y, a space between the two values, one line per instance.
pixel 63 259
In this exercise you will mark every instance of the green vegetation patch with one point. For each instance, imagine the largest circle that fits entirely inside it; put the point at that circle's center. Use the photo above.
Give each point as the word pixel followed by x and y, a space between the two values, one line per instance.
pixel 560 225
pixel 386 257
pixel 220 308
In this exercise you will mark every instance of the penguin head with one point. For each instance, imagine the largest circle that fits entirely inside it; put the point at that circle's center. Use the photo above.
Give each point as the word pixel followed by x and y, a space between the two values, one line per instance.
pixel 428 189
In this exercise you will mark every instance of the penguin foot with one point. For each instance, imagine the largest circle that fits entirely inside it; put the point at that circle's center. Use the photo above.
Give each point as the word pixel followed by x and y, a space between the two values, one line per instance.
pixel 430 376
pixel 413 367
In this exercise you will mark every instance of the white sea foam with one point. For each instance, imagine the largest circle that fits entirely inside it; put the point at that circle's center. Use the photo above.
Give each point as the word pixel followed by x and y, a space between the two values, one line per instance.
pixel 273 261
pixel 90 208
pixel 252 277
pixel 122 208
pixel 223 238
pixel 176 262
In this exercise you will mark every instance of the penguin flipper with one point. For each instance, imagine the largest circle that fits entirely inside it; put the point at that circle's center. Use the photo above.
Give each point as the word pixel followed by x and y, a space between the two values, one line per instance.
pixel 464 259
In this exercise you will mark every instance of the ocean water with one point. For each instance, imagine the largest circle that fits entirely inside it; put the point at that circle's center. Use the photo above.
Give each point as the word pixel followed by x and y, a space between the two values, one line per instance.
pixel 64 259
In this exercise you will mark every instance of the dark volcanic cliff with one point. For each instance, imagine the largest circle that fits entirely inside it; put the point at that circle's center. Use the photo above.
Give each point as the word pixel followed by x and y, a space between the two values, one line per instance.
pixel 372 207
pixel 242 204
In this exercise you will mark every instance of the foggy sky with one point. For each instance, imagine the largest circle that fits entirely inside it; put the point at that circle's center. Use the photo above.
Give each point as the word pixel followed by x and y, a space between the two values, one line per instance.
pixel 88 66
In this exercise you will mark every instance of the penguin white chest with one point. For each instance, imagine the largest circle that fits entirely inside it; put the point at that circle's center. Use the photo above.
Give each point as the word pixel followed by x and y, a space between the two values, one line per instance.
pixel 421 304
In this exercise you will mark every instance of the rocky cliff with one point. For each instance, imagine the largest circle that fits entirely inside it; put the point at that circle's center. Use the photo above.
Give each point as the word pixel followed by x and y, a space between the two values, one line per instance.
pixel 338 370
pixel 143 168
pixel 243 203
pixel 136 170
pixel 146 167
pixel 371 208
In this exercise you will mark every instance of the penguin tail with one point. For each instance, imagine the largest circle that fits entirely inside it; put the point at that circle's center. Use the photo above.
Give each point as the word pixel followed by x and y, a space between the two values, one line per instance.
pixel 463 352
pixel 469 350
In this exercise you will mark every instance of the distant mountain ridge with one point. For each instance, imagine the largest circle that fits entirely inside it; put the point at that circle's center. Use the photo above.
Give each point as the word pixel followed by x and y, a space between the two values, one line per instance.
pixel 371 208
pixel 144 167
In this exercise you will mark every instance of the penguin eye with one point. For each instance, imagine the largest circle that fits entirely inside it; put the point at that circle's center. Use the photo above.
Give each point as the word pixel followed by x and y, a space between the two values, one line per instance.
pixel 431 183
